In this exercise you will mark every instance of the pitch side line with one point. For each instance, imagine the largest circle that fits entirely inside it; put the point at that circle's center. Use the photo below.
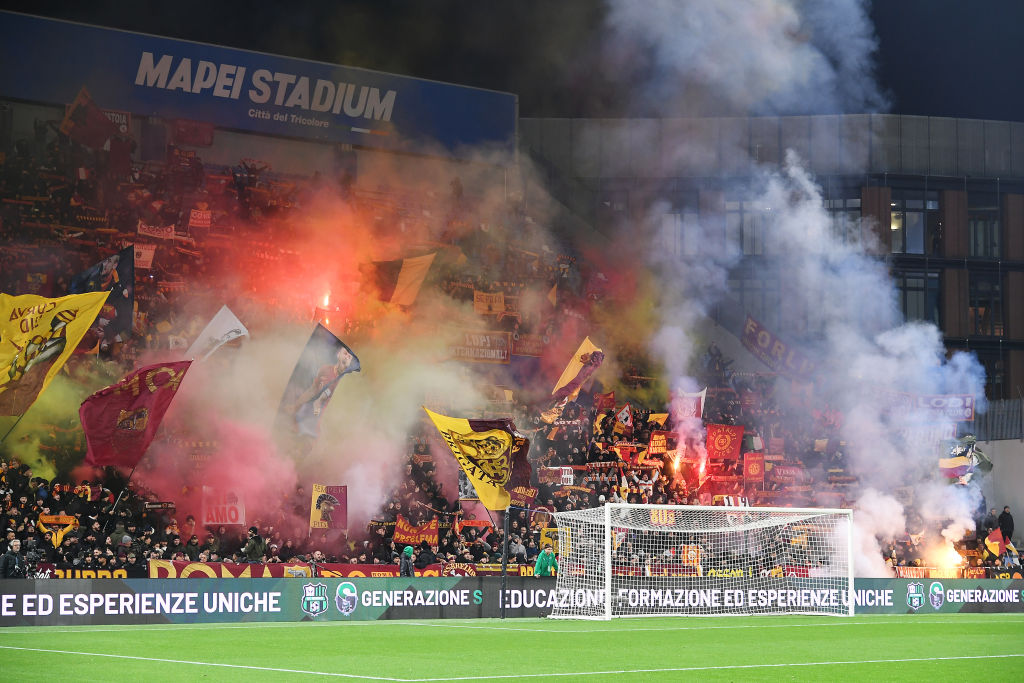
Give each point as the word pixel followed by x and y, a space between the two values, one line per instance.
pixel 527 629
pixel 709 668
pixel 215 664
pixel 910 619
pixel 727 667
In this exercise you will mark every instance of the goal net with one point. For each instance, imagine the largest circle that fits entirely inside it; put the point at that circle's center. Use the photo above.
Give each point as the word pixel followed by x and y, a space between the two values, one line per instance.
pixel 624 560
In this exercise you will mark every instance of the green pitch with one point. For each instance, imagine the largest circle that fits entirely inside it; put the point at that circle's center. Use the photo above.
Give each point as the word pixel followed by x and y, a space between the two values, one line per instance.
pixel 899 648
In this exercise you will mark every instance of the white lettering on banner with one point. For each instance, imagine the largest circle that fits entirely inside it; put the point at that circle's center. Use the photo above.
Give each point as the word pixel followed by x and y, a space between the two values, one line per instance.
pixel 982 595
pixel 558 597
pixel 415 598
pixel 115 604
pixel 286 90
pixel 871 598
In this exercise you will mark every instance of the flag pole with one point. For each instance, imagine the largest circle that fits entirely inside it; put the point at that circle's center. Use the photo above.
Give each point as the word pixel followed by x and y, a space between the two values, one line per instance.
pixel 504 559
pixel 119 495
pixel 4 438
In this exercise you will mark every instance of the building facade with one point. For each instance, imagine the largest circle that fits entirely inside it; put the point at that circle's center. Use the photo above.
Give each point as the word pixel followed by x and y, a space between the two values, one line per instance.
pixel 944 198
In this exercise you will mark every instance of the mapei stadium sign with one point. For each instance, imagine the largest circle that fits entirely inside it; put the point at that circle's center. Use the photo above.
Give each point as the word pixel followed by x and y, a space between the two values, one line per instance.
pixel 267 94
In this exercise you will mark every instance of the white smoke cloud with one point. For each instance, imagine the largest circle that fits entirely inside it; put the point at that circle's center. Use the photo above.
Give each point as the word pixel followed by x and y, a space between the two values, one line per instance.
pixel 838 305
pixel 747 56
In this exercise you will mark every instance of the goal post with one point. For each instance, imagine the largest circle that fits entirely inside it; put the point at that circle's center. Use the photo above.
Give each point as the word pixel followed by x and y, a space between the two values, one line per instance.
pixel 627 560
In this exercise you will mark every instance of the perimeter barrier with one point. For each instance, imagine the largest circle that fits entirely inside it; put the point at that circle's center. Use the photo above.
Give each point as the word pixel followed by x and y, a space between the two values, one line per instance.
pixel 49 602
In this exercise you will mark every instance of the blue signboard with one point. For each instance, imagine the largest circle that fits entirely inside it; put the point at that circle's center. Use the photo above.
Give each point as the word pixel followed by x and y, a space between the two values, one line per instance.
pixel 49 61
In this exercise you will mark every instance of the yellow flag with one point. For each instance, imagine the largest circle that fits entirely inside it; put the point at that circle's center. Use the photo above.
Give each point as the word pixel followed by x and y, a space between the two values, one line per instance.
pixel 658 419
pixel 488 451
pixel 37 336
pixel 572 370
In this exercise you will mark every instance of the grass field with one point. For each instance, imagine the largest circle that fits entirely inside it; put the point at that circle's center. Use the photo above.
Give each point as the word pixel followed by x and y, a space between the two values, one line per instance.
pixel 876 648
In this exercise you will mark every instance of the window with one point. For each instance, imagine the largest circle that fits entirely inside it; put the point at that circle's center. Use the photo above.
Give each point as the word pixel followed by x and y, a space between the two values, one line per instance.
pixel 914 220
pixel 983 224
pixel 748 225
pixel 679 234
pixel 845 215
pixel 992 361
pixel 918 294
pixel 985 305
pixel 758 296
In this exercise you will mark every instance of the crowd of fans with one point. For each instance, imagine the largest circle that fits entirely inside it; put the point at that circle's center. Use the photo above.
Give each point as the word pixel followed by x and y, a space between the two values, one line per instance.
pixel 64 207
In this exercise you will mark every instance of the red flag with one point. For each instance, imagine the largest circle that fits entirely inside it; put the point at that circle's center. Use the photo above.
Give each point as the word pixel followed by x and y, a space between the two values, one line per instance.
pixel 725 441
pixel 753 468
pixel 603 402
pixel 195 133
pixel 86 123
pixel 121 421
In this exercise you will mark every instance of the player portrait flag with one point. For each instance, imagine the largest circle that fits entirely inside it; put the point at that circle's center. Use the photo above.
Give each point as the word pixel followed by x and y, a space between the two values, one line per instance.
pixel 37 336
pixel 222 328
pixel 491 453
pixel 328 507
pixel 114 274
pixel 323 362
pixel 581 366
pixel 724 441
pixel 120 421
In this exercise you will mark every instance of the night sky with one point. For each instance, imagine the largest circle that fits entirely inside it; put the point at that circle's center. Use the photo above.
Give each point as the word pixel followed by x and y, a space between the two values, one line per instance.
pixel 935 57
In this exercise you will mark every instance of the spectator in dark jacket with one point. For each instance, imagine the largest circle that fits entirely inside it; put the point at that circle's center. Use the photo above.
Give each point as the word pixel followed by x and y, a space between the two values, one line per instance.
pixel 405 564
pixel 1006 524
pixel 12 564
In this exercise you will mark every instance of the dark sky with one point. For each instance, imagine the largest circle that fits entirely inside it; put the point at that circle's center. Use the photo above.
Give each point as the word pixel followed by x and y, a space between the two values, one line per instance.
pixel 935 57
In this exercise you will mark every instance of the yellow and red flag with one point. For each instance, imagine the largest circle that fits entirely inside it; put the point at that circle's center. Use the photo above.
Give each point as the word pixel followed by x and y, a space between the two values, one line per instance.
pixel 328 507
pixel 491 453
pixel 581 366
pixel 37 336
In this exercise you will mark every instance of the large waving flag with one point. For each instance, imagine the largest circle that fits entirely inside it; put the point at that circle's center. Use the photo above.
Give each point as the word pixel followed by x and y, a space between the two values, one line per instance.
pixel 114 274
pixel 582 365
pixel 37 336
pixel 491 453
pixel 120 421
pixel 953 468
pixel 85 123
pixel 222 328
pixel 399 282
pixel 324 361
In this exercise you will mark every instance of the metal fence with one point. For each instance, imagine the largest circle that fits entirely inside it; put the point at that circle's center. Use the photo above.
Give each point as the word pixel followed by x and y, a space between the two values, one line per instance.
pixel 1002 421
